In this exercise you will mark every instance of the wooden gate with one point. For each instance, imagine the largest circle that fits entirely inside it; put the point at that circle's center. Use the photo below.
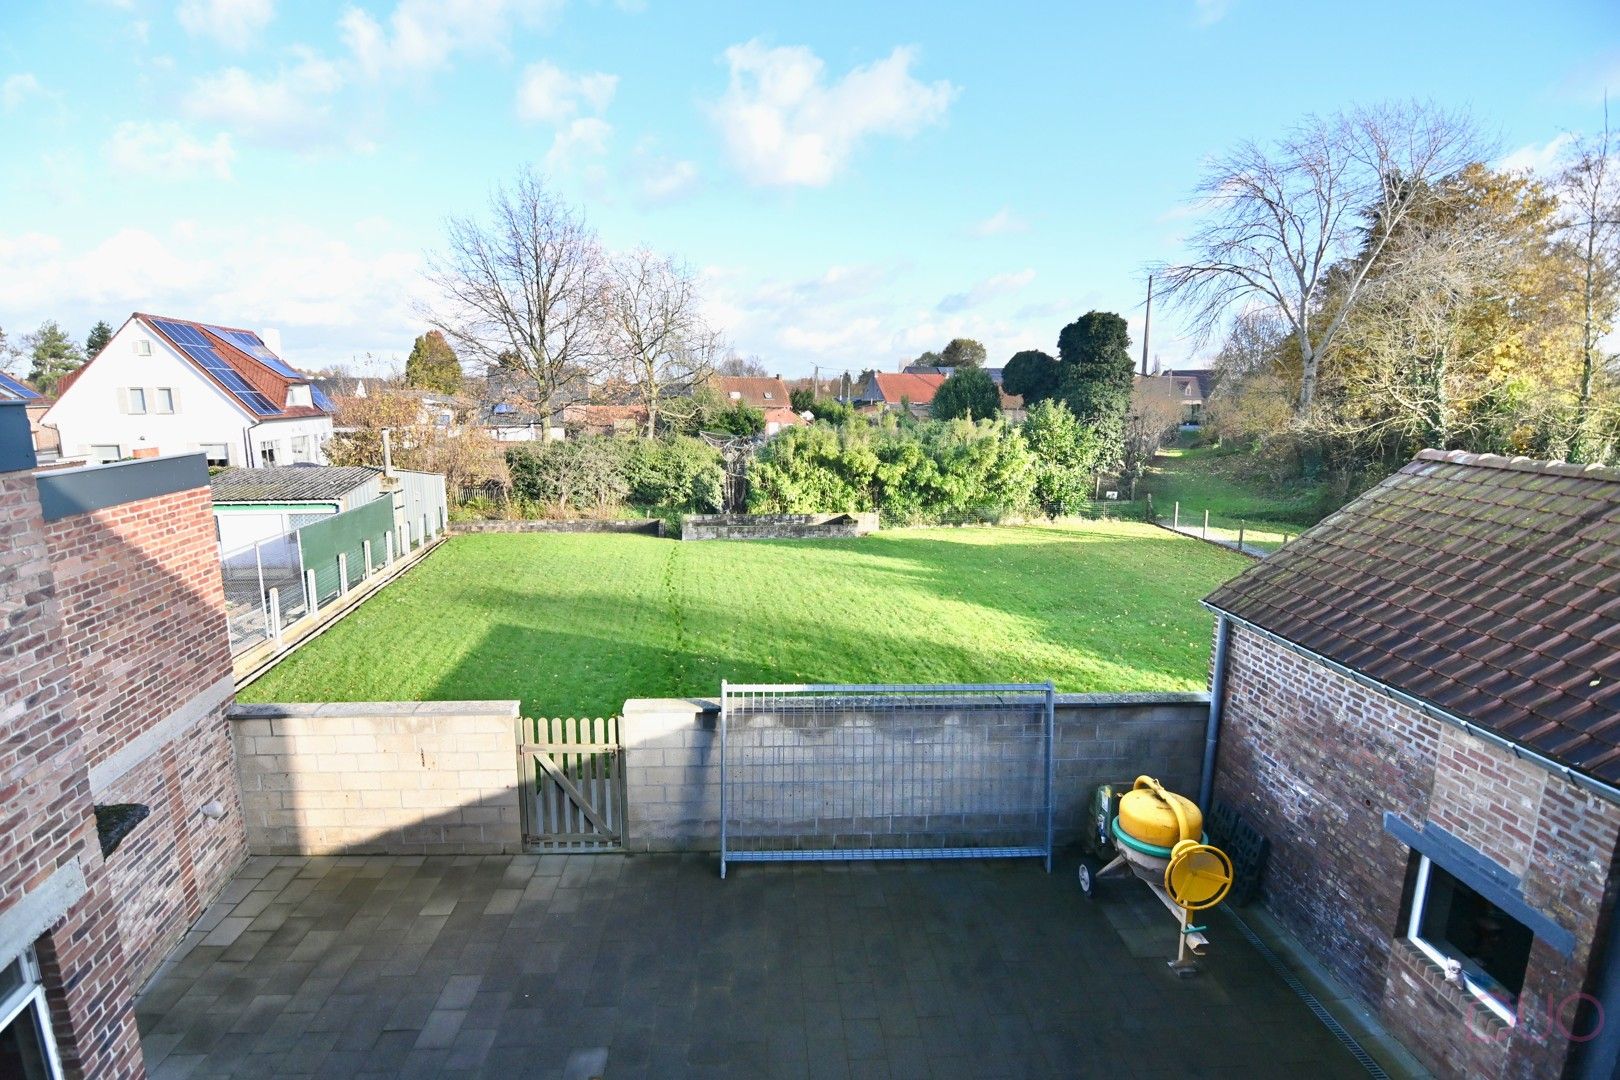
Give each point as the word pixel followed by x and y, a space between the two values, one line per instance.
pixel 574 789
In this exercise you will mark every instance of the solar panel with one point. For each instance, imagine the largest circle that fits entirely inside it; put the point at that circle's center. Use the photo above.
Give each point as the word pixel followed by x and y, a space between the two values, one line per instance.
pixel 320 399
pixel 10 387
pixel 196 346
pixel 254 346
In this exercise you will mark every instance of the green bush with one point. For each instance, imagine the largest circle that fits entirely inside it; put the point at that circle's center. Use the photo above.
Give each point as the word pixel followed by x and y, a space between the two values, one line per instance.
pixel 680 473
pixel 586 474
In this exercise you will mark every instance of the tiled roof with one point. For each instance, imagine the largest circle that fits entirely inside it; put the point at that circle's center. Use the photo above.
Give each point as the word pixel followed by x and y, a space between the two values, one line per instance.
pixel 783 417
pixel 758 391
pixel 1486 586
pixel 290 483
pixel 918 389
pixel 1203 376
pixel 12 389
pixel 261 375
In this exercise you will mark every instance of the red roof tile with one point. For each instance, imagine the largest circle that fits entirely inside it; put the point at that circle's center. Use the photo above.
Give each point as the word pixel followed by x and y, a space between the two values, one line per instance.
pixel 917 389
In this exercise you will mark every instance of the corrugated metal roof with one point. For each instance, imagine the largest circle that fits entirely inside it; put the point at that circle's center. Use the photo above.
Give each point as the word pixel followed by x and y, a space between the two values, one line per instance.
pixel 1486 586
pixel 291 483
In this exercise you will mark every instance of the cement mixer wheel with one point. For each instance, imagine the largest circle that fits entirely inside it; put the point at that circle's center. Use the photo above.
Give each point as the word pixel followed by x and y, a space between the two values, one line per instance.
pixel 1088 876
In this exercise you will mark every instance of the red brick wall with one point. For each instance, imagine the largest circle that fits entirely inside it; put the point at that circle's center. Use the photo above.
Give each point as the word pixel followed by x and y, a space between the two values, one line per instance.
pixel 1314 760
pixel 47 821
pixel 144 611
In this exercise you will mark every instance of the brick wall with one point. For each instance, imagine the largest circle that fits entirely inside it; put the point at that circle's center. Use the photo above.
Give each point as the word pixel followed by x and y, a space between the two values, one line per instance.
pixel 47 828
pixel 419 778
pixel 1314 760
pixel 672 766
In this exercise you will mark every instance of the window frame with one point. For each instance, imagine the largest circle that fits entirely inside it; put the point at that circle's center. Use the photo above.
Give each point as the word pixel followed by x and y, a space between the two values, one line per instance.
pixel 225 458
pixel 131 394
pixel 1414 934
pixel 269 454
pixel 30 996
pixel 162 395
pixel 116 448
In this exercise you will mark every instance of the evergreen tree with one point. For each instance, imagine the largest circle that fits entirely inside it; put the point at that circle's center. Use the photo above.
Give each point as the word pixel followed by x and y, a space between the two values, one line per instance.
pixel 100 334
pixel 1094 353
pixel 963 352
pixel 54 356
pixel 433 365
pixel 1032 375
pixel 969 394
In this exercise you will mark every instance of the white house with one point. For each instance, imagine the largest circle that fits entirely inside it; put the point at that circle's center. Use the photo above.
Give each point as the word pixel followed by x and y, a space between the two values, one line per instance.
pixel 171 386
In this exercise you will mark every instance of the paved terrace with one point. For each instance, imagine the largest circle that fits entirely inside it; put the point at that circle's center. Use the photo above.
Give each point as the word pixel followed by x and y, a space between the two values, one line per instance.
pixel 517 966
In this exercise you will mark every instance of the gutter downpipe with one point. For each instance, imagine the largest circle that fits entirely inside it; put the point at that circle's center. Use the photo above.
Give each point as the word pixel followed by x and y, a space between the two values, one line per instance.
pixel 1217 705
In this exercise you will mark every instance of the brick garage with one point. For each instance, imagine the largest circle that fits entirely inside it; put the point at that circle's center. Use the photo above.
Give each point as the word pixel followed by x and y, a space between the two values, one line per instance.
pixel 114 678
pixel 1418 705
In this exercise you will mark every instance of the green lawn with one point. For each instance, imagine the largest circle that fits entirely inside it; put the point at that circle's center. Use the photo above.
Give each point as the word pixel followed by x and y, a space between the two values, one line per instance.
pixel 1205 478
pixel 574 625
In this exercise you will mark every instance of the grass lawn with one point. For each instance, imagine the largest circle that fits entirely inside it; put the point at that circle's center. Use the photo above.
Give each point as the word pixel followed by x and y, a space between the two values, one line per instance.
pixel 1205 478
pixel 574 625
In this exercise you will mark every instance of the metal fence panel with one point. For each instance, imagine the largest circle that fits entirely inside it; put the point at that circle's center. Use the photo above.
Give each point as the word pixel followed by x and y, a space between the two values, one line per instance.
pixel 323 542
pixel 833 772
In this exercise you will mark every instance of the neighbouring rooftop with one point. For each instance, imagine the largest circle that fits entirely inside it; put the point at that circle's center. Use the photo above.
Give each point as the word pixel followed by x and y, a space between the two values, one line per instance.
pixel 1486 586
pixel 290 483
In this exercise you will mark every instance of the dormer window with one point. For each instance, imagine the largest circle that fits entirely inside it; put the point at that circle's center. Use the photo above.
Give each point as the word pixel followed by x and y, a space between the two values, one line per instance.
pixel 298 395
pixel 736 395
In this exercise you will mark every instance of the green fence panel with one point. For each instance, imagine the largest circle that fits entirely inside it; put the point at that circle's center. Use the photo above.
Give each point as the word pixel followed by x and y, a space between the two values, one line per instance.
pixel 323 541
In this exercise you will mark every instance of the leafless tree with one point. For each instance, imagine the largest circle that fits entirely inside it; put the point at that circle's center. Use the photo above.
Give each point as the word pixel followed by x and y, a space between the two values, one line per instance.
pixel 1590 191
pixel 655 331
pixel 733 364
pixel 1154 415
pixel 1297 226
pixel 525 291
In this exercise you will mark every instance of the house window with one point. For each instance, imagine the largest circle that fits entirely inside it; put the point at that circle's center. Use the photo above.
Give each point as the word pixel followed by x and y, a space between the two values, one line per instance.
pixel 736 395
pixel 163 400
pixel 137 400
pixel 267 454
pixel 298 395
pixel 300 447
pixel 1453 923
pixel 218 454
pixel 104 453
pixel 143 347
pixel 27 1049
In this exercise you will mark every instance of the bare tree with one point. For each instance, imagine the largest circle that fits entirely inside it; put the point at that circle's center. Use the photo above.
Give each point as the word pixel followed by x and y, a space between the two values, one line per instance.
pixel 655 332
pixel 1590 190
pixel 1155 413
pixel 1297 226
pixel 525 291
pixel 741 365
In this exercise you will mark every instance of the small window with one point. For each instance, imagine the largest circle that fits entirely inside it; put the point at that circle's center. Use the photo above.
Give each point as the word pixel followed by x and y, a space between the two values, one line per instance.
pixel 163 400
pixel 104 453
pixel 137 400
pixel 736 395
pixel 267 455
pixel 143 347
pixel 767 395
pixel 218 454
pixel 27 1048
pixel 298 395
pixel 300 447
pixel 1452 923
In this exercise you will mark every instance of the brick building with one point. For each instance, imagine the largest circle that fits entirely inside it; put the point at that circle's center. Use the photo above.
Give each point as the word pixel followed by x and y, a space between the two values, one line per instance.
pixel 1418 704
pixel 114 680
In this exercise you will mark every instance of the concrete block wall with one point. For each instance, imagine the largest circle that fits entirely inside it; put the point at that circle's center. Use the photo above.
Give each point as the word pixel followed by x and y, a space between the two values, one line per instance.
pixel 672 761
pixel 383 778
pixel 778 526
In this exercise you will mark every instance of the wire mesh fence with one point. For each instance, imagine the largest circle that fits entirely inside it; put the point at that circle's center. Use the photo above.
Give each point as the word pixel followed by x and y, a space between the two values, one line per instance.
pixel 1257 538
pixel 835 772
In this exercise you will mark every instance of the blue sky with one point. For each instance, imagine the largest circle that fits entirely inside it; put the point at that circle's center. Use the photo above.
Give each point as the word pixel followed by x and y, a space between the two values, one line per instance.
pixel 855 182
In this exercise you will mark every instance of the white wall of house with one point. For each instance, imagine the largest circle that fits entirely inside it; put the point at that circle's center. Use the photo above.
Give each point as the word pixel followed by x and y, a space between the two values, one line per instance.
pixel 101 419
pixel 291 442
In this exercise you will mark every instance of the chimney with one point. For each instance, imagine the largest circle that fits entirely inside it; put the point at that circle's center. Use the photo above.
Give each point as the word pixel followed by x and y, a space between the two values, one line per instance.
pixel 272 340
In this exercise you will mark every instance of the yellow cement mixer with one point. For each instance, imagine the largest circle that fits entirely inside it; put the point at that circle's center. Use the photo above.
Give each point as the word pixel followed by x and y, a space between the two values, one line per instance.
pixel 1159 836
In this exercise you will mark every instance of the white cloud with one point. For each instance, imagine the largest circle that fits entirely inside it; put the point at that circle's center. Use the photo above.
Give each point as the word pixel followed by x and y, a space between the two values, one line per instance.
pixel 1210 12
pixel 982 292
pixel 291 108
pixel 17 89
pixel 232 23
pixel 785 124
pixel 1538 159
pixel 549 95
pixel 422 35
pixel 664 181
pixel 332 296
pixel 577 143
pixel 168 151
pixel 1000 223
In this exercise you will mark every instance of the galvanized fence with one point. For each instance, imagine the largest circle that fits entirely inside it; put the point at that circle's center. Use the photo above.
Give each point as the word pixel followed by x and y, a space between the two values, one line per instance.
pixel 1256 538
pixel 834 772
pixel 272 583
pixel 574 788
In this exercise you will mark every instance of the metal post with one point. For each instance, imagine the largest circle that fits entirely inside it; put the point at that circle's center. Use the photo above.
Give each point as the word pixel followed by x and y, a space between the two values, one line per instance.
pixel 399 541
pixel 1241 525
pixel 724 703
pixel 1150 515
pixel 1175 517
pixel 343 572
pixel 275 615
pixel 425 531
pixel 309 600
pixel 264 606
pixel 1206 525
pixel 312 596
pixel 365 545
pixel 1051 736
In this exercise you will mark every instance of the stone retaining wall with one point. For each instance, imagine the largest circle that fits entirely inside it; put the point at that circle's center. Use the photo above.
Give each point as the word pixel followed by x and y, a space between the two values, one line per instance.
pixel 777 526
pixel 672 763
pixel 379 778
pixel 649 526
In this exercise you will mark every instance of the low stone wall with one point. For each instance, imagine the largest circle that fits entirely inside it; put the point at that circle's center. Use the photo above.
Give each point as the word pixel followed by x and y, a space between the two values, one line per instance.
pixel 672 760
pixel 379 778
pixel 649 526
pixel 777 526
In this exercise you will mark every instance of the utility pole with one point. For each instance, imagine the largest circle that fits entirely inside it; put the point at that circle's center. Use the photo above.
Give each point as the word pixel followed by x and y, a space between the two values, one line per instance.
pixel 815 383
pixel 1147 324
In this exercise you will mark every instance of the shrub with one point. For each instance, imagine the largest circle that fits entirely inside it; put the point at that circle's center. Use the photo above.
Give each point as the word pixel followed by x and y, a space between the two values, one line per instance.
pixel 577 474
pixel 679 473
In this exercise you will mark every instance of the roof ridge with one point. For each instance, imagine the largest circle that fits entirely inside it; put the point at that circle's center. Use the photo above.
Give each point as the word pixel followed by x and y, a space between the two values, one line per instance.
pixel 200 325
pixel 1520 464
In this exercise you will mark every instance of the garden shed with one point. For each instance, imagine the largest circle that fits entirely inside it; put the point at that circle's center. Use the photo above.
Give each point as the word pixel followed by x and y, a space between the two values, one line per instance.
pixel 1419 706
